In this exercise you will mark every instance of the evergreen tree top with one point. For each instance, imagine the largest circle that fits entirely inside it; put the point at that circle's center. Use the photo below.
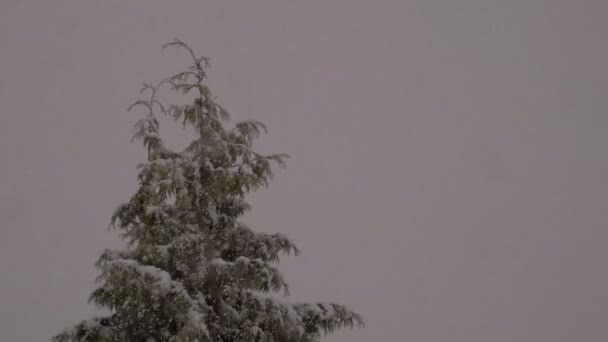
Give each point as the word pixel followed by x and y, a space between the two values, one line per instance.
pixel 192 271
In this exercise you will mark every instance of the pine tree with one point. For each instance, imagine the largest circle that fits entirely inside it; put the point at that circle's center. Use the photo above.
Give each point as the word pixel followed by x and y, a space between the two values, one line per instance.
pixel 192 271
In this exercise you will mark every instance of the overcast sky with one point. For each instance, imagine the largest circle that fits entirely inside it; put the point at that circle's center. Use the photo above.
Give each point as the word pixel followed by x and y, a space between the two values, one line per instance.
pixel 449 158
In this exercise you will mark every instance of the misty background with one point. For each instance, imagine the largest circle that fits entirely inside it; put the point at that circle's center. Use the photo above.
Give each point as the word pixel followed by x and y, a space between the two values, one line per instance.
pixel 448 170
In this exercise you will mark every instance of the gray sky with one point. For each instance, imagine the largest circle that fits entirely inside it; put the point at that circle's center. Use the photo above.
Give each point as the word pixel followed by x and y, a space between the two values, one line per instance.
pixel 448 178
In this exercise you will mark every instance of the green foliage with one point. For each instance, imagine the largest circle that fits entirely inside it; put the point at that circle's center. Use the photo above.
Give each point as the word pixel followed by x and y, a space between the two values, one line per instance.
pixel 192 271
